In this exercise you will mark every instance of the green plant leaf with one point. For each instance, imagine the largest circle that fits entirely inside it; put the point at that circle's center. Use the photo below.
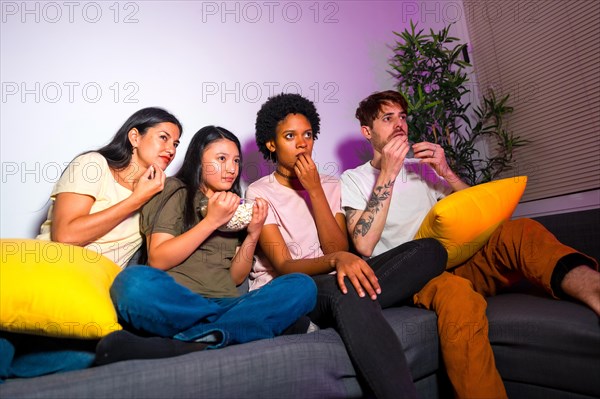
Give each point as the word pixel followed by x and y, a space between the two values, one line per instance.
pixel 431 77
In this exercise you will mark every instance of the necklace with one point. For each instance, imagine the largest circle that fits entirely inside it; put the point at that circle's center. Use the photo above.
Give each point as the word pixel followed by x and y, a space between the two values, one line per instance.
pixel 287 177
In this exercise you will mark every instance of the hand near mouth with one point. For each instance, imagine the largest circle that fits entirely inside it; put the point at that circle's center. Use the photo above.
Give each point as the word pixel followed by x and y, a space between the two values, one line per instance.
pixel 393 154
pixel 434 155
pixel 150 183
pixel 307 172
pixel 400 133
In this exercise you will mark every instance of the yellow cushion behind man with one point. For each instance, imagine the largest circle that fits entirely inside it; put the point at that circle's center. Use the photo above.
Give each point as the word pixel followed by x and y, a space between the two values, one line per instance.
pixel 53 289
pixel 465 220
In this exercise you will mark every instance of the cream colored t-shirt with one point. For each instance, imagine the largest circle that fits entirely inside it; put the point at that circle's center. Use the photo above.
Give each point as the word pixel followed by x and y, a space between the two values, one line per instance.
pixel 89 174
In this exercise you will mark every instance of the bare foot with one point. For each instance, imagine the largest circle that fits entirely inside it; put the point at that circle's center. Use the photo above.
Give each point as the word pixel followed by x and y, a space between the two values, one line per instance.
pixel 583 283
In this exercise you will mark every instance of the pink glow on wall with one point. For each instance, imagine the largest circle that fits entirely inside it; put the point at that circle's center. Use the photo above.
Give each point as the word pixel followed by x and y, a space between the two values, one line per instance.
pixel 72 72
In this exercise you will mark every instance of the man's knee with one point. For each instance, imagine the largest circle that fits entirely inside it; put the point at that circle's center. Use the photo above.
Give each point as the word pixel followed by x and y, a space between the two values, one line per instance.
pixel 522 225
pixel 455 287
pixel 449 291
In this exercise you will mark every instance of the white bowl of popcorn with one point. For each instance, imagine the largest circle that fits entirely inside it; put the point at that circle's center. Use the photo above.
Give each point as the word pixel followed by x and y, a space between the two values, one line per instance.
pixel 240 219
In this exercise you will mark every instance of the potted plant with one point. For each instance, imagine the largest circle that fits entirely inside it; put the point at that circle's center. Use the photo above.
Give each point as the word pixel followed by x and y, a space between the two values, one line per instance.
pixel 431 74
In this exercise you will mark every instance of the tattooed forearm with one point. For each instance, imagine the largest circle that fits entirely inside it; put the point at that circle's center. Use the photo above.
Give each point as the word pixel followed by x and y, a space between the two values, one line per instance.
pixel 350 214
pixel 363 226
pixel 379 194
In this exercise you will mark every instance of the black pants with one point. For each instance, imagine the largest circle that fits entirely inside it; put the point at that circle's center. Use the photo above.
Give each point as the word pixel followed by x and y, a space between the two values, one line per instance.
pixel 372 344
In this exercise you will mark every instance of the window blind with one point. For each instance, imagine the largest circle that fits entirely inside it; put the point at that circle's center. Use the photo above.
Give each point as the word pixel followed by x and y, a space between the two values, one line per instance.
pixel 546 55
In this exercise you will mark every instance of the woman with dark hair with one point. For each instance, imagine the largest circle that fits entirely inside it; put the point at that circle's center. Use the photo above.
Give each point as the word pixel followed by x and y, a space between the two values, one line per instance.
pixel 189 293
pixel 305 231
pixel 96 201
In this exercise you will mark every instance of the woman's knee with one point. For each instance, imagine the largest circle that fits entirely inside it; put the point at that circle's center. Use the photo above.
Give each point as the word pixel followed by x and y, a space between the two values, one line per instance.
pixel 300 286
pixel 132 283
pixel 301 281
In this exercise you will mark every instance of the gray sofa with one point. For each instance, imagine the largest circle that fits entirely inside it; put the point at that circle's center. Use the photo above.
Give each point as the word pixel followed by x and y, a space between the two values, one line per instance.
pixel 544 349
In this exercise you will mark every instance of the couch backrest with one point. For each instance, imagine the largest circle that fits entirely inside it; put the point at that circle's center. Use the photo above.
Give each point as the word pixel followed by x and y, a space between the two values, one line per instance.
pixel 580 230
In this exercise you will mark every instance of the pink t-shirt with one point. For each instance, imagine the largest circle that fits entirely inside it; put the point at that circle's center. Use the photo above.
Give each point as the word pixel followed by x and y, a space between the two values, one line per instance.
pixel 289 210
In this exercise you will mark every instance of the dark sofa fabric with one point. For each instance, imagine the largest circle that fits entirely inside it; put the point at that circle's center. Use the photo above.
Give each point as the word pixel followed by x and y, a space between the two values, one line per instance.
pixel 579 230
pixel 544 349
pixel 299 366
pixel 551 346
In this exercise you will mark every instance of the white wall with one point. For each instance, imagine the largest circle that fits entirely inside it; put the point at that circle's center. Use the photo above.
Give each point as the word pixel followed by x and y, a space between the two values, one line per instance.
pixel 73 71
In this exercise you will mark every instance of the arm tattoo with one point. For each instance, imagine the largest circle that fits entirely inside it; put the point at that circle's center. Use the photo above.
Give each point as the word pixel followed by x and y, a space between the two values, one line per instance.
pixel 350 213
pixel 379 194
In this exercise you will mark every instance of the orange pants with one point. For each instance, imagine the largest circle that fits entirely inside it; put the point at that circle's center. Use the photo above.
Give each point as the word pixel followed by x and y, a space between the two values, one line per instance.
pixel 519 248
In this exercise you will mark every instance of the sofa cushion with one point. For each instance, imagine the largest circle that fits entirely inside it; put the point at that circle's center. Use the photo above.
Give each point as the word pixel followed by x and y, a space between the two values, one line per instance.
pixel 297 366
pixel 544 348
pixel 417 330
pixel 547 343
pixel 303 366
pixel 53 289
pixel 576 229
pixel 464 221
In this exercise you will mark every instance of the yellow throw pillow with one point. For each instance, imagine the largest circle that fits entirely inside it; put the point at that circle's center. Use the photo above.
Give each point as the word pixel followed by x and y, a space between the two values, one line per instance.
pixel 465 220
pixel 53 289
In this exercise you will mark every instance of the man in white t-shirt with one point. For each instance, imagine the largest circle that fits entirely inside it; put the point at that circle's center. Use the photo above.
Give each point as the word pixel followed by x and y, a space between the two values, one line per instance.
pixel 385 201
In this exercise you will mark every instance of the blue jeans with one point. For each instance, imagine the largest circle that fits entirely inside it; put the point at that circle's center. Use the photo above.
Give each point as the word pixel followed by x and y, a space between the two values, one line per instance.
pixel 24 355
pixel 370 341
pixel 150 300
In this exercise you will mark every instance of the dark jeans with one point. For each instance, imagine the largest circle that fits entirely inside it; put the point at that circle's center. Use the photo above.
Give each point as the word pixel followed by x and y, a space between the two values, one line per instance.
pixel 372 344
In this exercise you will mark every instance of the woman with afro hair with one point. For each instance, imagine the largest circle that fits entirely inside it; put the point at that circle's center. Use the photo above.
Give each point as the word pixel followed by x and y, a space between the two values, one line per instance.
pixel 305 232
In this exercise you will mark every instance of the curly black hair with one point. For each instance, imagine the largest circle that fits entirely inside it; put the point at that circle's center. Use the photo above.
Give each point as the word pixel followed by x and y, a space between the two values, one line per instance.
pixel 274 110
